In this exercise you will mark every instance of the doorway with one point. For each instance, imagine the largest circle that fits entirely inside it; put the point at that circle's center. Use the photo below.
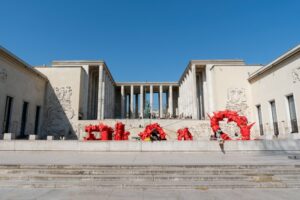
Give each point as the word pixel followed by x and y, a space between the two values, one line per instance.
pixel 23 120
pixel 7 114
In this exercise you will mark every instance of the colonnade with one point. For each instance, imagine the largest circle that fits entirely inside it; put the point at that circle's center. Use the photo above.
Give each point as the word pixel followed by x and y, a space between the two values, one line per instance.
pixel 138 91
pixel 193 88
pixel 101 93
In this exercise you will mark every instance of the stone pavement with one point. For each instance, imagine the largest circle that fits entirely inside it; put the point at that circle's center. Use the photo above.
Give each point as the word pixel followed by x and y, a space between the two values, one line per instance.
pixel 146 158
pixel 115 194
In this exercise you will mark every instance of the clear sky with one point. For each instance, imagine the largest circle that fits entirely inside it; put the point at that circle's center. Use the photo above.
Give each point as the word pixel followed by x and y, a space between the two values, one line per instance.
pixel 149 40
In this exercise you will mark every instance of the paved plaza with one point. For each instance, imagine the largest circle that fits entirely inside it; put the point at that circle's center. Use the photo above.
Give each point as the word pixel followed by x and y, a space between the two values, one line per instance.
pixel 146 158
pixel 114 194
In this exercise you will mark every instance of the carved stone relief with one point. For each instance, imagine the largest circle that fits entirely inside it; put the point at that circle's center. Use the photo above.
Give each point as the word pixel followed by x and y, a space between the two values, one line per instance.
pixel 296 74
pixel 236 100
pixel 3 75
pixel 200 131
pixel 230 128
pixel 63 95
pixel 59 112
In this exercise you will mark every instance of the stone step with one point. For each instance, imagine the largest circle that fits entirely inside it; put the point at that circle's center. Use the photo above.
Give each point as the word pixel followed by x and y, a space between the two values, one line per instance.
pixel 149 167
pixel 152 171
pixel 175 177
pixel 291 171
pixel 147 185
pixel 168 177
pixel 110 167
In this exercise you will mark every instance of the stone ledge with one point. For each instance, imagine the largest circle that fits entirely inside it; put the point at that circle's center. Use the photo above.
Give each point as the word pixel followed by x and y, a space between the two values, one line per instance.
pixel 139 146
pixel 33 137
pixel 9 136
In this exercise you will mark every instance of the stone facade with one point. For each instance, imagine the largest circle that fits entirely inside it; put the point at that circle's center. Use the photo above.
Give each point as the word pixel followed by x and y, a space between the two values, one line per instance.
pixel 26 89
pixel 72 94
pixel 274 84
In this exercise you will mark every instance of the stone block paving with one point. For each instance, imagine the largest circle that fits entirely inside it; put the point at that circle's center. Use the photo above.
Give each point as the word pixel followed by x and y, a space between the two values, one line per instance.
pixel 146 158
pixel 115 194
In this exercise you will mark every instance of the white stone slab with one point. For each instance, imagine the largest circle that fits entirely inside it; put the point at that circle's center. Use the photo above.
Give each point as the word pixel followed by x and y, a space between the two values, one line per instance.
pixel 9 136
pixel 50 137
pixel 125 146
pixel 93 146
pixel 33 137
pixel 7 145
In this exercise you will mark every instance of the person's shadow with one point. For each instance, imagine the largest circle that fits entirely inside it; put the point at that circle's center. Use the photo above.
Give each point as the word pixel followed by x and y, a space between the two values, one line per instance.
pixel 222 147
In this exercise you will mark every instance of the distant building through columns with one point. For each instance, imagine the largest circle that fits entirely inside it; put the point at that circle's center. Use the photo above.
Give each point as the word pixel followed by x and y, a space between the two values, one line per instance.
pixel 151 100
pixel 131 102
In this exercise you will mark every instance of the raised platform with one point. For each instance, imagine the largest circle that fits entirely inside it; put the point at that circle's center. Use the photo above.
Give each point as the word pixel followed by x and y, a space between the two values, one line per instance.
pixel 139 146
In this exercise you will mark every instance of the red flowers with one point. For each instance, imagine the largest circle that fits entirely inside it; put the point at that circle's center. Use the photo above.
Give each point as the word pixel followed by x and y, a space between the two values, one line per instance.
pixel 120 133
pixel 106 132
pixel 232 116
pixel 184 134
pixel 153 132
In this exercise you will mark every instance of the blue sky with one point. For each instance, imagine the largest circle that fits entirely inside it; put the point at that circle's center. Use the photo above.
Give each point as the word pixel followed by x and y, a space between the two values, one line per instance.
pixel 149 40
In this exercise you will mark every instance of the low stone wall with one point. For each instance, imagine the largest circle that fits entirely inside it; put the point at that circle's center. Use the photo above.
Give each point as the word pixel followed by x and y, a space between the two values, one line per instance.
pixel 200 129
pixel 138 146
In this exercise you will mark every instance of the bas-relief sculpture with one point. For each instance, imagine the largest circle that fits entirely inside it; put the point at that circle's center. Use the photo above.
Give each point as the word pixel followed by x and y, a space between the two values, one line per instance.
pixel 296 75
pixel 236 100
pixel 3 75
pixel 200 131
pixel 63 95
pixel 59 112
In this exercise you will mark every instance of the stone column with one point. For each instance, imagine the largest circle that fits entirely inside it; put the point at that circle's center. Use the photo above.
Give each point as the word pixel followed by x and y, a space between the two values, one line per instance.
pixel 184 97
pixel 205 98
pixel 201 114
pixel 100 93
pixel 194 90
pixel 122 102
pixel 189 104
pixel 171 101
pixel 209 86
pixel 103 98
pixel 136 110
pixel 180 108
pixel 161 101
pixel 142 101
pixel 131 101
pixel 151 100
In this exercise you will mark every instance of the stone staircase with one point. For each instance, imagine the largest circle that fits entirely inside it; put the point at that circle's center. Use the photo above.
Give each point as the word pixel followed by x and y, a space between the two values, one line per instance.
pixel 200 177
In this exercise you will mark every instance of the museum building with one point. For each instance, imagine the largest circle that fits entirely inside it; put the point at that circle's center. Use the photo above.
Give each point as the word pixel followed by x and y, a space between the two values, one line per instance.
pixel 60 99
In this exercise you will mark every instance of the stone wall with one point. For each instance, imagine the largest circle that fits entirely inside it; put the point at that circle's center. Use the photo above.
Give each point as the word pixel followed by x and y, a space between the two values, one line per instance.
pixel 24 85
pixel 276 84
pixel 199 128
pixel 109 96
pixel 231 89
pixel 62 101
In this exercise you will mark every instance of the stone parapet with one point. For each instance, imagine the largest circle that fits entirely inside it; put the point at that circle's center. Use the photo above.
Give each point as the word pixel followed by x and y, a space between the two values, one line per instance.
pixel 139 146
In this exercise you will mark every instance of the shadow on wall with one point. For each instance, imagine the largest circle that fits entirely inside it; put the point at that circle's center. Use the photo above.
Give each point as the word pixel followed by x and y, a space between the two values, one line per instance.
pixel 58 114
